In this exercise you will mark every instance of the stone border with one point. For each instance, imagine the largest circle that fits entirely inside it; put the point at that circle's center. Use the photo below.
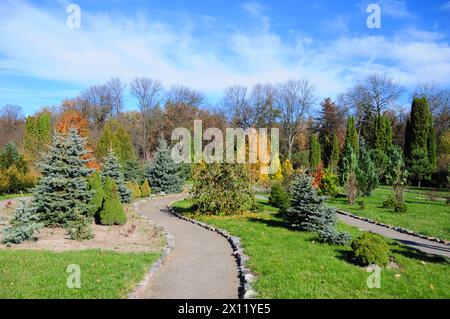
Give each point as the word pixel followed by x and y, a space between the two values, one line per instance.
pixel 399 229
pixel 170 243
pixel 245 275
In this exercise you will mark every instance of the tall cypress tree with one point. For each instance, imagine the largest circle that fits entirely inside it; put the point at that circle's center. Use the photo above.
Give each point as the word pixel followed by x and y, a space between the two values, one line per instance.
pixel 382 133
pixel 335 151
pixel 112 169
pixel 351 137
pixel 420 140
pixel 163 173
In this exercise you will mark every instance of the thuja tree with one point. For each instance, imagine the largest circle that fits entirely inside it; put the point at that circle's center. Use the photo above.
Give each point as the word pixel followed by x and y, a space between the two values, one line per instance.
pixel 112 169
pixel 315 156
pixel 62 196
pixel 222 188
pixel 365 172
pixel 309 212
pixel 163 173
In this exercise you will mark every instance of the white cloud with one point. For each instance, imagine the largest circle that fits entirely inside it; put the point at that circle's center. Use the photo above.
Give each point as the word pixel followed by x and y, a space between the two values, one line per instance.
pixel 37 43
pixel 395 8
pixel 446 6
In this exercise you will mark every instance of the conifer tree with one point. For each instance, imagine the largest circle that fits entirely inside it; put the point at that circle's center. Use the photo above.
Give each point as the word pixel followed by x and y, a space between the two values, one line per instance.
pixel 309 212
pixel 63 192
pixel 145 189
pixel 351 136
pixel 112 169
pixel 112 212
pixel 366 174
pixel 382 133
pixel 98 194
pixel 420 140
pixel 163 173
pixel 335 152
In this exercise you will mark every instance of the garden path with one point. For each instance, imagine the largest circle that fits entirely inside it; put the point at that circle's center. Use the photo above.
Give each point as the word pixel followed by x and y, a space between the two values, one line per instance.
pixel 201 264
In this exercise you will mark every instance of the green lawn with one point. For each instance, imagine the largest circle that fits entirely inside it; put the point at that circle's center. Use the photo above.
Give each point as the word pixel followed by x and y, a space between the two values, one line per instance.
pixel 292 264
pixel 42 274
pixel 423 216
pixel 12 196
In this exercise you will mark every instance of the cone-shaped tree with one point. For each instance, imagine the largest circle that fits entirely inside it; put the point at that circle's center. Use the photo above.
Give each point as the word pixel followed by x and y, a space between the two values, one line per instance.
pixel 112 169
pixel 365 173
pixel 309 212
pixel 63 192
pixel 98 198
pixel 335 151
pixel 112 212
pixel 163 173
pixel 145 189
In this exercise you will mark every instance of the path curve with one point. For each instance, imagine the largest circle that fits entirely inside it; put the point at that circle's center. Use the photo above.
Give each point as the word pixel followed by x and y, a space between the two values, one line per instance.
pixel 424 245
pixel 201 264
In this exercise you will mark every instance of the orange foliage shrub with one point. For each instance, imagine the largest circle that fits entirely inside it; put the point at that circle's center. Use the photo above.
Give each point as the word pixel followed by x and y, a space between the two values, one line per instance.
pixel 74 119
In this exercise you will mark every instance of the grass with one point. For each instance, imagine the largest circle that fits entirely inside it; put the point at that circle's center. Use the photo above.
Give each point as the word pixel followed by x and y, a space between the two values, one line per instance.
pixel 292 264
pixel 424 216
pixel 42 274
pixel 12 196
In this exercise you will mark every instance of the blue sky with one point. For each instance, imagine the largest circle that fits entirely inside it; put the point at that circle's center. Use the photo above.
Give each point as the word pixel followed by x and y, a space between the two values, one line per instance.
pixel 209 45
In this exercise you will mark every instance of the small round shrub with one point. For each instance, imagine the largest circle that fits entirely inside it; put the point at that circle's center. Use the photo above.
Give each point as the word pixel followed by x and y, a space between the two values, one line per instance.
pixel 370 249
pixel 331 236
pixel 329 184
pixel 400 207
pixel 389 203
pixel 279 198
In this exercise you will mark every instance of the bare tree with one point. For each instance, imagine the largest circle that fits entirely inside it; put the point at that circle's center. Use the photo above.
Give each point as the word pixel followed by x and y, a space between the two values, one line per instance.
pixel 116 90
pixel 11 124
pixel 237 107
pixel 294 99
pixel 184 95
pixel 96 105
pixel 262 101
pixel 147 91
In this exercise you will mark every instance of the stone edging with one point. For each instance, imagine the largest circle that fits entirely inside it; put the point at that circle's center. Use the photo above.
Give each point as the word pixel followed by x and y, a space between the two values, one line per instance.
pixel 399 229
pixel 246 277
pixel 170 242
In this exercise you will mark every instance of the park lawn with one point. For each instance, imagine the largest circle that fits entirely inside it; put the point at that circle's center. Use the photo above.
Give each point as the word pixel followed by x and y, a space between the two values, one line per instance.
pixel 42 274
pixel 292 264
pixel 424 216
pixel 12 196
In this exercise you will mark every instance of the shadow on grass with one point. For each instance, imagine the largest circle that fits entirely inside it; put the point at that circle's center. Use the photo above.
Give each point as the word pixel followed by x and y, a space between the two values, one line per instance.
pixel 413 253
pixel 277 223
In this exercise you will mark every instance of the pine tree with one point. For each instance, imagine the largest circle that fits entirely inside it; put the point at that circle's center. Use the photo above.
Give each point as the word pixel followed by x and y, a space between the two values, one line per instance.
pixel 112 212
pixel 133 171
pixel 315 153
pixel 309 212
pixel 365 173
pixel 112 169
pixel 63 187
pixel 163 173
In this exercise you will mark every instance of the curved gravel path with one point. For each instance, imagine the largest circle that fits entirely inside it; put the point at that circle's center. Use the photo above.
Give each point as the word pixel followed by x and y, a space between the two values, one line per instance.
pixel 201 264
pixel 424 245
